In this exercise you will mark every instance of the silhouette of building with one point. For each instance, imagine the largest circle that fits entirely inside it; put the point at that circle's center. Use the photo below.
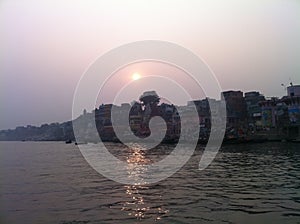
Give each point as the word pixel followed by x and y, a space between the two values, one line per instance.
pixel 236 109
pixel 268 111
pixel 292 100
pixel 254 114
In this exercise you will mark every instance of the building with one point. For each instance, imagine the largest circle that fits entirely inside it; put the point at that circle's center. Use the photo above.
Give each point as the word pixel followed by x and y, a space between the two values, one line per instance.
pixel 292 101
pixel 203 109
pixel 171 116
pixel 254 113
pixel 236 109
pixel 136 117
pixel 103 122
pixel 293 90
pixel 268 112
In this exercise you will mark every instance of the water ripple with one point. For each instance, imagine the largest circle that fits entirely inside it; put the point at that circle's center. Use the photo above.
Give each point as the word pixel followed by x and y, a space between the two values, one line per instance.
pixel 52 183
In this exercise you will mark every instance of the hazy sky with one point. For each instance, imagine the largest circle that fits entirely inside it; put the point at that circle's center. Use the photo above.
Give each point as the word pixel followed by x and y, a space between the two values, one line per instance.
pixel 45 46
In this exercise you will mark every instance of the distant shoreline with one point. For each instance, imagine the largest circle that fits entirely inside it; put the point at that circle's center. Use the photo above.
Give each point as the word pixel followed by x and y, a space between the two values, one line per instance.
pixel 237 142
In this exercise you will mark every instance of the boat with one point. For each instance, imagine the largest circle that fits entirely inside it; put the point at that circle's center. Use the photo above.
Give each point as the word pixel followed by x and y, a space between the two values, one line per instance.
pixel 69 141
pixel 80 143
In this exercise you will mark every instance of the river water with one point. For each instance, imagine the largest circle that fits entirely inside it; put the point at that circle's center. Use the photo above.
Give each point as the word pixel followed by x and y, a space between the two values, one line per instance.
pixel 50 182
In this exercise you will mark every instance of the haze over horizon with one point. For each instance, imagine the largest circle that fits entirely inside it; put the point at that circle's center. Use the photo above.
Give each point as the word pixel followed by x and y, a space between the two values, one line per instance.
pixel 47 45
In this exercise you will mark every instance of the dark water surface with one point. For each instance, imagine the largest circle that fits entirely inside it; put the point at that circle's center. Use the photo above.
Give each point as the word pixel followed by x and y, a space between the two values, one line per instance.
pixel 50 182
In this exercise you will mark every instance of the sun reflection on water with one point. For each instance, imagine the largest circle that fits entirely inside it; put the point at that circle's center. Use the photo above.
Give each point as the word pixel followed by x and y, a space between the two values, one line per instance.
pixel 141 204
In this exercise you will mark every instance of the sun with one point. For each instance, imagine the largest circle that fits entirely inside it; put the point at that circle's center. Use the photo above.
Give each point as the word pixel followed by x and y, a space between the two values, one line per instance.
pixel 135 76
